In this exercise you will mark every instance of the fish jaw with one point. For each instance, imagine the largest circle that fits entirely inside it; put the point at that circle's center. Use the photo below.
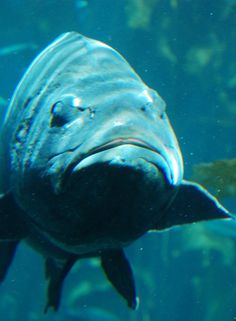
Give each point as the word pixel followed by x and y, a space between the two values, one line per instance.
pixel 109 196
pixel 112 201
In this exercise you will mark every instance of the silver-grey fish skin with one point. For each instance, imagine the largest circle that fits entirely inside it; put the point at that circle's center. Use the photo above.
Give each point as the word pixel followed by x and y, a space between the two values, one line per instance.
pixel 92 157
pixel 89 163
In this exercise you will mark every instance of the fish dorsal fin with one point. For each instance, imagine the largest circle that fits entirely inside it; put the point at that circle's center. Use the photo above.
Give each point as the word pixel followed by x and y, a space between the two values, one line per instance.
pixel 193 203
pixel 55 272
pixel 119 273
pixel 12 224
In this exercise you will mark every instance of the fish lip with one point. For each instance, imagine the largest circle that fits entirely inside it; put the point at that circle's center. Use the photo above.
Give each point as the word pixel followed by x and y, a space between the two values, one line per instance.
pixel 117 142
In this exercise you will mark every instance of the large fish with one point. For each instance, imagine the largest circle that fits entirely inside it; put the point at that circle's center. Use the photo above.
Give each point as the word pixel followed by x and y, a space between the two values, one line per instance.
pixel 90 164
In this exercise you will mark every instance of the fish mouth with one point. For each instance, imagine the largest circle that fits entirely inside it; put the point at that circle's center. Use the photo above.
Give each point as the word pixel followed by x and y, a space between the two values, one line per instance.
pixel 160 156
pixel 161 159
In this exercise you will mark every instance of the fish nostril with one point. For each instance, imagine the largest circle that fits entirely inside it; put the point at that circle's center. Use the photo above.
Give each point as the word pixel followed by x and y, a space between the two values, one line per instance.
pixel 162 115
pixel 143 108
pixel 91 112
pixel 147 107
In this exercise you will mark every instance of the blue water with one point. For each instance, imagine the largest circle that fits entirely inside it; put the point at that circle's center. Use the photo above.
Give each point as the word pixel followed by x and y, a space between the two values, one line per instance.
pixel 186 50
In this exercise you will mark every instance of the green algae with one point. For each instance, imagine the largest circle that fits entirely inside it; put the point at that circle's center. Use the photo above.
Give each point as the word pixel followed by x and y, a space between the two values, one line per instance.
pixel 219 175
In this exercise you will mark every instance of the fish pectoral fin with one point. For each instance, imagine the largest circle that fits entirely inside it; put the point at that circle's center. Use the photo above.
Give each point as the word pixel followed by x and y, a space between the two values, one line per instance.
pixel 56 272
pixel 7 252
pixel 12 225
pixel 119 273
pixel 193 203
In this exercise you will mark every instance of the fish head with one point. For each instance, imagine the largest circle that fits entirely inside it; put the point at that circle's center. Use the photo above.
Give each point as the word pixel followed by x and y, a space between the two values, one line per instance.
pixel 126 129
pixel 102 112
pixel 101 143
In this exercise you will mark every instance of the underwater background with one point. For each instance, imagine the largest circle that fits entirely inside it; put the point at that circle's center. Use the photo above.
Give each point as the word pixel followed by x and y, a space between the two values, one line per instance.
pixel 186 50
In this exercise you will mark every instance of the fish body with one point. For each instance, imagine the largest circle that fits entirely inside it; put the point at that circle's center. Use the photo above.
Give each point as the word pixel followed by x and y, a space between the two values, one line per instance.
pixel 90 163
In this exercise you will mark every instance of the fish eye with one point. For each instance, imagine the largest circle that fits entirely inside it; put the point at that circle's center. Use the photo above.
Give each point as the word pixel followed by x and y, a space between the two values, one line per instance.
pixel 66 109
pixel 154 104
pixel 155 108
pixel 160 104
pixel 58 114
pixel 162 110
